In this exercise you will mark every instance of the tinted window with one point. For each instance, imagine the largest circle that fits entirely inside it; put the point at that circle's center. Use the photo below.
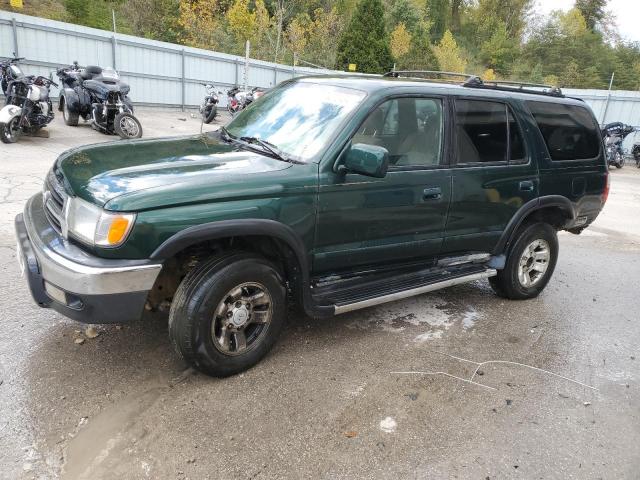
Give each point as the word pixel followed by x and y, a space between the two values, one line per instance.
pixel 409 128
pixel 487 132
pixel 569 131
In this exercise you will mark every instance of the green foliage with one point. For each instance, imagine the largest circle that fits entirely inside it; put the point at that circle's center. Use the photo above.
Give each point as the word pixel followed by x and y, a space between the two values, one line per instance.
pixel 578 48
pixel 592 11
pixel 365 41
pixel 438 13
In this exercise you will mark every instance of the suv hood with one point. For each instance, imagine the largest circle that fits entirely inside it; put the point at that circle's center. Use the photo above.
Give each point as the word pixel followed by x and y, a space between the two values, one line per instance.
pixel 171 169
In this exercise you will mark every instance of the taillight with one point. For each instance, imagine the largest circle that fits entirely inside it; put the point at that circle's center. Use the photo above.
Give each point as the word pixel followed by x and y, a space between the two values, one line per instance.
pixel 605 194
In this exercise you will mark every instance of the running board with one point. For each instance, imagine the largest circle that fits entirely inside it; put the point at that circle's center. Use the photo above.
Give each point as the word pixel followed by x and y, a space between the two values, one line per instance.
pixel 418 290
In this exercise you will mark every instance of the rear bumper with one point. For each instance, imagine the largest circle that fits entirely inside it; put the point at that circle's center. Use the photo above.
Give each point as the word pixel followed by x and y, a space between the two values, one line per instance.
pixel 81 286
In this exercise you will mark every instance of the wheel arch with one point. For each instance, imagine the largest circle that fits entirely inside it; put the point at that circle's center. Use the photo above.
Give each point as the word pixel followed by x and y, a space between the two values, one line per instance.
pixel 270 238
pixel 553 209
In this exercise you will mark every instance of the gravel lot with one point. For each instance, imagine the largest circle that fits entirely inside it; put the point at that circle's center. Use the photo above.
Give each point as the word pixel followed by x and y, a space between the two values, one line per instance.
pixel 326 403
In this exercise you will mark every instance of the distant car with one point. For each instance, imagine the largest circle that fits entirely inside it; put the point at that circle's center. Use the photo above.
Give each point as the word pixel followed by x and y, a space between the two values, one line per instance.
pixel 335 193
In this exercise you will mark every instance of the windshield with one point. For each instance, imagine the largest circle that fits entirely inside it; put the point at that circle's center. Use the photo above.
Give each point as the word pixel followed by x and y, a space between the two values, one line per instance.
pixel 298 118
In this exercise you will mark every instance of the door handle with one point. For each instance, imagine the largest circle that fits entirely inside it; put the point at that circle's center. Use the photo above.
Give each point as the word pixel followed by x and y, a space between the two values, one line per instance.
pixel 432 193
pixel 527 186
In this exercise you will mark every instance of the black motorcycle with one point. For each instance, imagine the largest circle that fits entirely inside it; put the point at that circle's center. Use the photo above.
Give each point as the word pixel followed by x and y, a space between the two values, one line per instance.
pixel 636 153
pixel 28 107
pixel 9 72
pixel 99 95
pixel 209 107
pixel 614 134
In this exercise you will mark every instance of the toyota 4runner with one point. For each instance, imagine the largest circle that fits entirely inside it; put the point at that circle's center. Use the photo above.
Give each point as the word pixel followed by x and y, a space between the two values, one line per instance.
pixel 334 193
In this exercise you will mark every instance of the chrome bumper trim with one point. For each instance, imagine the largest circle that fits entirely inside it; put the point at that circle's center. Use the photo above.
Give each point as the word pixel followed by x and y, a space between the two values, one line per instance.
pixel 84 279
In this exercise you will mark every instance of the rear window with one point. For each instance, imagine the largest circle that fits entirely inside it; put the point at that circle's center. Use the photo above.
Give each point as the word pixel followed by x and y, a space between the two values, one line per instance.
pixel 569 131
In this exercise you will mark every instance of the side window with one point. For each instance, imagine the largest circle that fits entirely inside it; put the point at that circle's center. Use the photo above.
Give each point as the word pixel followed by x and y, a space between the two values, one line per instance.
pixel 481 131
pixel 569 131
pixel 410 128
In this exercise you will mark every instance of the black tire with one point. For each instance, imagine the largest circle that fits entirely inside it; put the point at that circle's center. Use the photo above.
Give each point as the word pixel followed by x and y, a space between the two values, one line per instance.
pixel 8 133
pixel 507 283
pixel 70 118
pixel 209 115
pixel 204 288
pixel 127 126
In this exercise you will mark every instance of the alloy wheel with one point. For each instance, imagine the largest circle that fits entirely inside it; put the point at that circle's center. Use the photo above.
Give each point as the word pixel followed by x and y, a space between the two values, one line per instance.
pixel 533 263
pixel 242 318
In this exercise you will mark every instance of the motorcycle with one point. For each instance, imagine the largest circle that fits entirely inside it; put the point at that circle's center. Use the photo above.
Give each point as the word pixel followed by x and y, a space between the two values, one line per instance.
pixel 240 99
pixel 614 134
pixel 28 107
pixel 209 107
pixel 9 72
pixel 97 94
pixel 636 153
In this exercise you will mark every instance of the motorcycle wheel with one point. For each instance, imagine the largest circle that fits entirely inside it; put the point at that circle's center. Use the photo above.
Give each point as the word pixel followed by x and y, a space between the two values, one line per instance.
pixel 209 114
pixel 68 116
pixel 10 132
pixel 619 161
pixel 127 126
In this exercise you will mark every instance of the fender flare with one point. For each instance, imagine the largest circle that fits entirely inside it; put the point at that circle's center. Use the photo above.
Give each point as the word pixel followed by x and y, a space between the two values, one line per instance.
pixel 527 209
pixel 236 228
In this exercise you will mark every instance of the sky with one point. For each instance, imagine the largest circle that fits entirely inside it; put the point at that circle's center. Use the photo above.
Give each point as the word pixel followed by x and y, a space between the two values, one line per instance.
pixel 627 14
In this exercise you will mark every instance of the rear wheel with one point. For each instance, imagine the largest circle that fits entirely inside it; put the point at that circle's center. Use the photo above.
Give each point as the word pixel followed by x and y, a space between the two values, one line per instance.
pixel 10 131
pixel 227 313
pixel 209 113
pixel 70 118
pixel 530 263
pixel 127 126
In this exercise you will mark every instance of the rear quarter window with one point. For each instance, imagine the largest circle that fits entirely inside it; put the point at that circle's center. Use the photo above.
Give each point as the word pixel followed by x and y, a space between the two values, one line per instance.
pixel 569 131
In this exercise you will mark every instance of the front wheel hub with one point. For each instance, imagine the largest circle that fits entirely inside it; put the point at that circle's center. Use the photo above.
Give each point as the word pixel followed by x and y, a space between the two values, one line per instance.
pixel 242 318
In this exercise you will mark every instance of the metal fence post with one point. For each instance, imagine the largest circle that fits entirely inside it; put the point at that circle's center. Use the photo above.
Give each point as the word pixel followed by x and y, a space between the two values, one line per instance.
pixel 235 62
pixel 275 76
pixel 14 27
pixel 113 51
pixel 182 79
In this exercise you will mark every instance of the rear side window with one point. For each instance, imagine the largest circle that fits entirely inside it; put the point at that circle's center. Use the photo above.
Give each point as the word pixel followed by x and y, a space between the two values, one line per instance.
pixel 487 132
pixel 569 131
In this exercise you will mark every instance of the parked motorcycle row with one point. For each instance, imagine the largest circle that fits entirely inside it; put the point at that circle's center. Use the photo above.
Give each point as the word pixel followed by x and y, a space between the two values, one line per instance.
pixel 237 100
pixel 614 134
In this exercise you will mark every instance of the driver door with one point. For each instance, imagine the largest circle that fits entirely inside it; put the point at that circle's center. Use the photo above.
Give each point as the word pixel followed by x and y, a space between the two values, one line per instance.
pixel 366 221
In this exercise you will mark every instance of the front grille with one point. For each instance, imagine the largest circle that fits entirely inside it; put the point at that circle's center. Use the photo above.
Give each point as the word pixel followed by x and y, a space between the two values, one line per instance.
pixel 54 200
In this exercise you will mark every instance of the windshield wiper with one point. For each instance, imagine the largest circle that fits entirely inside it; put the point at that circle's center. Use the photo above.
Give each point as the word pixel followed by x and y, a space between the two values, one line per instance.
pixel 269 147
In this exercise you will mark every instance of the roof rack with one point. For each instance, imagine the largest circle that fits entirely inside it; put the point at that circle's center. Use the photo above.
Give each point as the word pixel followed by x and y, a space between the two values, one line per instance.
pixel 473 81
pixel 428 74
pixel 517 86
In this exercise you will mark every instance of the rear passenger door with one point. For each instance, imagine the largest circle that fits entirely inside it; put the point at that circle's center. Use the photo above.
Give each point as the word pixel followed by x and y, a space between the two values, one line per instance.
pixel 493 174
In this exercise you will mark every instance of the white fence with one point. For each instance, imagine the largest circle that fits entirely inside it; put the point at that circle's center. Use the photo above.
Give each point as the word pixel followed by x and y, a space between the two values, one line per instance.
pixel 165 74
pixel 159 73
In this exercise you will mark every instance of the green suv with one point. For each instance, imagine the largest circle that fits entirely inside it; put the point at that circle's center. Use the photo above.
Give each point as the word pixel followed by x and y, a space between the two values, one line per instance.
pixel 334 193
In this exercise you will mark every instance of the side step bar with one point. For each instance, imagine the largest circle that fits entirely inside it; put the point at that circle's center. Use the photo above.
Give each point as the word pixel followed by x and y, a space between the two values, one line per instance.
pixel 370 302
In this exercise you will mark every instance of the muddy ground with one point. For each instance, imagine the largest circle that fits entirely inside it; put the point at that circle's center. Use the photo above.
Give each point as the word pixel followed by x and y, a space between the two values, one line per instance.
pixel 328 401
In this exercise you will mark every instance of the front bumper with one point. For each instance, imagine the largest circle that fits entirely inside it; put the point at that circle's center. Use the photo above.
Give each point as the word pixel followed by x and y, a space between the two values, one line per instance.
pixel 75 283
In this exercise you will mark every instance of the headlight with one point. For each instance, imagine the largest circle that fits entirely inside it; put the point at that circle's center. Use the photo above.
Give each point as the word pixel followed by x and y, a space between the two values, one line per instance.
pixel 96 226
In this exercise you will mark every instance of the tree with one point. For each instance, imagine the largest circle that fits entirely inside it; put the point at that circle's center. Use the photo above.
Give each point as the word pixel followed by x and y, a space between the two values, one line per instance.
pixel 199 22
pixel 365 41
pixel 593 11
pixel 438 14
pixel 156 19
pixel 400 41
pixel 449 55
pixel 241 21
